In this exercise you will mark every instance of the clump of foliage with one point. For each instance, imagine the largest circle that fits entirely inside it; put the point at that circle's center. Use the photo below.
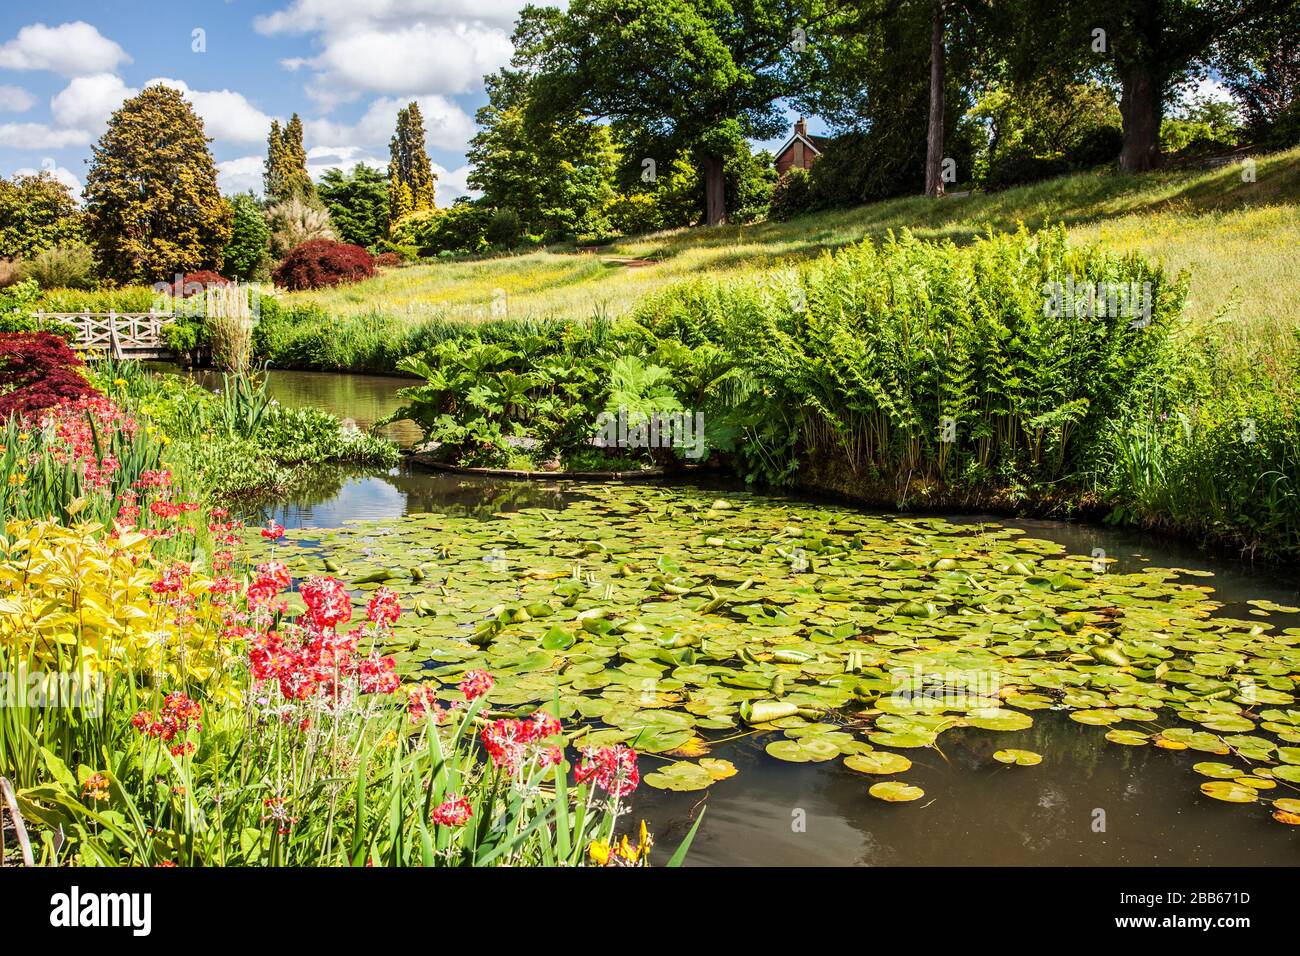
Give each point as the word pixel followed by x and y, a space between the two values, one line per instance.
pixel 152 203
pixel 37 212
pixel 248 253
pixel 37 370
pixel 357 204
pixel 69 266
pixel 321 262
pixel 295 221
pixel 462 227
pixel 792 196
pixel 196 283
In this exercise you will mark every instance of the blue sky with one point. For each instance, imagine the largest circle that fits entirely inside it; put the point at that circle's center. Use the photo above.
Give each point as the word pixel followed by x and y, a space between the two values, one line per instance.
pixel 345 66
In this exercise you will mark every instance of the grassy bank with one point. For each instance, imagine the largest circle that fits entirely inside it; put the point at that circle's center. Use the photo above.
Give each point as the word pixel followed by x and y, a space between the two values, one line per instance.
pixel 1238 239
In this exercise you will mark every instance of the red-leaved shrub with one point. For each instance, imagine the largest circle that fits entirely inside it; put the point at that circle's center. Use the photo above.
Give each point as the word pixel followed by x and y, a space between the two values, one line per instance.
pixel 323 262
pixel 388 260
pixel 194 283
pixel 37 370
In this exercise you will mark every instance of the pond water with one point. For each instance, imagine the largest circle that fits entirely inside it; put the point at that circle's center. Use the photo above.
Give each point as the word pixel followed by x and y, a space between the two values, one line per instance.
pixel 1089 802
pixel 362 399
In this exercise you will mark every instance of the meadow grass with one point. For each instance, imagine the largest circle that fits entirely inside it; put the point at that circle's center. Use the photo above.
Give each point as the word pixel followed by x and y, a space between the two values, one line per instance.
pixel 1240 241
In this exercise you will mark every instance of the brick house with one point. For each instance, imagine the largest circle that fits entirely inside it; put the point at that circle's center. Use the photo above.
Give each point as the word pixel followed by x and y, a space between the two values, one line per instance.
pixel 801 150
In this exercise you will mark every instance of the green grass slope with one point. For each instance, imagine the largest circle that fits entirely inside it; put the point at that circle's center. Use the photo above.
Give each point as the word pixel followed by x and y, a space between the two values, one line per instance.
pixel 1239 239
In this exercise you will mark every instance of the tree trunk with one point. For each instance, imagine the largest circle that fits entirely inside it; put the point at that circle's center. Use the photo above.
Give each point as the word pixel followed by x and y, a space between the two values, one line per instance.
pixel 715 191
pixel 934 135
pixel 1141 106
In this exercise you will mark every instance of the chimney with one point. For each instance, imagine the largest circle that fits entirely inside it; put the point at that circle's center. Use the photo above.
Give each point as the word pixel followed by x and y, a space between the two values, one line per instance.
pixel 801 127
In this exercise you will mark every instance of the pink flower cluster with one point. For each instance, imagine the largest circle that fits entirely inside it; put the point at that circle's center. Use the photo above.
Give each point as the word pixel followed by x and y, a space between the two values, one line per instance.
pixel 311 658
pixel 514 744
pixel 612 769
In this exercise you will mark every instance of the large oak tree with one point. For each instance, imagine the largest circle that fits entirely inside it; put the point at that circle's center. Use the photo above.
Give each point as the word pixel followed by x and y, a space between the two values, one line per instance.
pixel 1148 47
pixel 689 74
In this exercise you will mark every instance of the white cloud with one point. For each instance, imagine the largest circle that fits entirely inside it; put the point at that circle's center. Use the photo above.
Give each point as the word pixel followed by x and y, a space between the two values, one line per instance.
pixel 41 136
pixel 415 59
pixel 396 47
pixel 87 102
pixel 61 173
pixel 1212 89
pixel 227 115
pixel 72 49
pixel 446 125
pixel 314 16
pixel 240 175
pixel 15 99
pixel 452 184
pixel 321 159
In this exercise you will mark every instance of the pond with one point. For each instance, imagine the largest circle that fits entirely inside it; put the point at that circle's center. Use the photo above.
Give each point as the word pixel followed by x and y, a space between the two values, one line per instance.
pixel 663 616
pixel 362 399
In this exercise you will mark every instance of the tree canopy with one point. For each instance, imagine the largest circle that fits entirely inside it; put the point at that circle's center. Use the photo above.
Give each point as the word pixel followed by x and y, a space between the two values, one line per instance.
pixel 152 204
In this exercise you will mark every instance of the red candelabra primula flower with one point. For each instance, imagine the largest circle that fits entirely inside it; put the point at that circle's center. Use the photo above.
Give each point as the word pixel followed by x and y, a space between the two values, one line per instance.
pixel 476 684
pixel 452 812
pixel 612 769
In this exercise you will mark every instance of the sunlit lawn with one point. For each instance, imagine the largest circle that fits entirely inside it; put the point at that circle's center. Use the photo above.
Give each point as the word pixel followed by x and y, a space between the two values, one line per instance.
pixel 1240 240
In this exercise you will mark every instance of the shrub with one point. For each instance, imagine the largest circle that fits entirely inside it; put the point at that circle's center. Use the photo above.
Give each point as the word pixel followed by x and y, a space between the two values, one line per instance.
pixel 388 260
pixel 249 251
pixel 459 228
pixel 321 263
pixel 504 229
pixel 633 214
pixel 61 267
pixel 792 196
pixel 294 222
pixel 196 283
pixel 37 370
pixel 9 272
pixel 1098 146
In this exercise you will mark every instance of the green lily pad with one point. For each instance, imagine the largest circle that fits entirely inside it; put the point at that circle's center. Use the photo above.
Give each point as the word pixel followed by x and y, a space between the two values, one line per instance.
pixel 895 791
pixel 1021 758
pixel 1229 791
pixel 878 761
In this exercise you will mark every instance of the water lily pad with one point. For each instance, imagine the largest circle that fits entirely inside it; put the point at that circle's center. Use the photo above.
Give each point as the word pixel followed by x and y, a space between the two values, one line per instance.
pixel 1129 738
pixel 680 776
pixel 895 791
pixel 1021 758
pixel 804 750
pixel 1220 771
pixel 878 761
pixel 1229 791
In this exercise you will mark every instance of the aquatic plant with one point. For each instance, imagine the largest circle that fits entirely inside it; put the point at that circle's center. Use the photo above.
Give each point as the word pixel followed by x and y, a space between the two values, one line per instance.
pixel 667 620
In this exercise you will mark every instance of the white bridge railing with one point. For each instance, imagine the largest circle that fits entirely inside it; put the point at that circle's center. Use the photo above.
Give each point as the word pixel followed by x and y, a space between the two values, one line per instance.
pixel 121 334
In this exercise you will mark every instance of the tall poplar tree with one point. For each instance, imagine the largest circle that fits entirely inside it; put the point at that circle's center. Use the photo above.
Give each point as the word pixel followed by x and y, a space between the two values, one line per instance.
pixel 286 175
pixel 153 208
pixel 410 174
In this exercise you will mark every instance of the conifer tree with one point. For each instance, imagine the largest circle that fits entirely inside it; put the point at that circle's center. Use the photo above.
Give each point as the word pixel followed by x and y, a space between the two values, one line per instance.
pixel 410 174
pixel 286 174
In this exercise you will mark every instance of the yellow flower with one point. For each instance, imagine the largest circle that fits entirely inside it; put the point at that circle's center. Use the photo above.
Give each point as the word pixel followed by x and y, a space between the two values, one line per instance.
pixel 622 853
pixel 23 436
pixel 119 382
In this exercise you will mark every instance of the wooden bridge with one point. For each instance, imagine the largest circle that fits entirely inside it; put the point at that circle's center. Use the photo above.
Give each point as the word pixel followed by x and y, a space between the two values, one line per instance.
pixel 123 335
